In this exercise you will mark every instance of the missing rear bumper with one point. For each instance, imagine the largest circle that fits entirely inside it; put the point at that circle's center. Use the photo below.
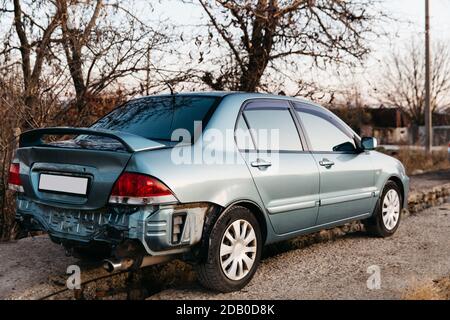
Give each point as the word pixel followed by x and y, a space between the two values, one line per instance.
pixel 162 230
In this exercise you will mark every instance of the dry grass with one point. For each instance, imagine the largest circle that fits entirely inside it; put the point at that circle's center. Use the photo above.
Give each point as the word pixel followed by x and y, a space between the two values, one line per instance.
pixel 432 290
pixel 414 160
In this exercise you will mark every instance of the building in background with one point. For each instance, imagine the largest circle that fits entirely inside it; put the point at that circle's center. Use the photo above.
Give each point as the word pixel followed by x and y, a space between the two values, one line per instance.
pixel 392 126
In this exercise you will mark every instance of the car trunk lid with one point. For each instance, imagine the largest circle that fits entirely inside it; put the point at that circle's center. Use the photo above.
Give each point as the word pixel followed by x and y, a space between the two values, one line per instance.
pixel 70 174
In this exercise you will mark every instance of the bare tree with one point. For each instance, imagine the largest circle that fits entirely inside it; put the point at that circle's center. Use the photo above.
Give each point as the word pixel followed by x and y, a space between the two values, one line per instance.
pixel 87 47
pixel 259 34
pixel 69 62
pixel 402 84
pixel 104 43
pixel 10 98
pixel 73 41
pixel 33 41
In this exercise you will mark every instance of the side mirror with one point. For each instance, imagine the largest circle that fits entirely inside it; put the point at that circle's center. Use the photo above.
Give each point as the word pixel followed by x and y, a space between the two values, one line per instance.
pixel 369 143
pixel 346 146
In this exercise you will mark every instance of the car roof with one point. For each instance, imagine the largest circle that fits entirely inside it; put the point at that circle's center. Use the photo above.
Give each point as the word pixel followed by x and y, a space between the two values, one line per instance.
pixel 245 95
pixel 251 95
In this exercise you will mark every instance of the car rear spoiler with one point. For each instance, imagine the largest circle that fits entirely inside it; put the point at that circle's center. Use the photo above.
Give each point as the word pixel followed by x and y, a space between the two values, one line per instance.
pixel 131 142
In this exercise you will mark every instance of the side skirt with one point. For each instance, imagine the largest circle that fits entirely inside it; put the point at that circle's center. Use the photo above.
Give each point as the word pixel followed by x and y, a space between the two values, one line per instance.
pixel 294 234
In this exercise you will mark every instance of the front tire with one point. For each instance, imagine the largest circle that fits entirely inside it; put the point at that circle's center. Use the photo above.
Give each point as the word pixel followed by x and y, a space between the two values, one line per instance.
pixel 386 218
pixel 234 251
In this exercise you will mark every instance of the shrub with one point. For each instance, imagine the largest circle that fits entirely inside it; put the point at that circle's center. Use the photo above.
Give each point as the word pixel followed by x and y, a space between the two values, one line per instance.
pixel 416 161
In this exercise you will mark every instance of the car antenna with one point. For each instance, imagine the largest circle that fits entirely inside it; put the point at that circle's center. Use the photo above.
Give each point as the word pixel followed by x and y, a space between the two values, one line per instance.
pixel 172 92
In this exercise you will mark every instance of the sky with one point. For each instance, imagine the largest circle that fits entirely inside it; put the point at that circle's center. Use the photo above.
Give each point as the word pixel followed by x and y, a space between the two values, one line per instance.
pixel 409 13
pixel 414 10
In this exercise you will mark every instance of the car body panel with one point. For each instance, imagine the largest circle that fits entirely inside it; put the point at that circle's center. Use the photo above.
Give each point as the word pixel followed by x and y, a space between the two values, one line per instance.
pixel 101 167
pixel 387 167
pixel 220 184
pixel 347 189
pixel 290 194
pixel 288 199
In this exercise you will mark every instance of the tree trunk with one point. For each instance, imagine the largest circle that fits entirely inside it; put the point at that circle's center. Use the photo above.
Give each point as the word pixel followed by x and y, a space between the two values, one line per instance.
pixel 414 133
pixel 264 27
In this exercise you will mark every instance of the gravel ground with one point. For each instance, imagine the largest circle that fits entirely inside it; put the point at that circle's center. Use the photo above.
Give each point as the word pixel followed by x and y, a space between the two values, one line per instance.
pixel 417 253
pixel 422 182
pixel 29 262
pixel 34 267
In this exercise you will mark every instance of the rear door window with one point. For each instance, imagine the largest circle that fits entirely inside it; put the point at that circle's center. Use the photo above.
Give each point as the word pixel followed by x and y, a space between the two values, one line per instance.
pixel 242 134
pixel 272 126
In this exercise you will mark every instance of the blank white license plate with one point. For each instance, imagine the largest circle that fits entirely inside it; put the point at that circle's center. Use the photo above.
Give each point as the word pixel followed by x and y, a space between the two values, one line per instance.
pixel 66 184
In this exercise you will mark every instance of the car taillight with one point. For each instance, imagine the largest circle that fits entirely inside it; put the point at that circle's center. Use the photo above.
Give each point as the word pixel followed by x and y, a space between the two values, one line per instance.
pixel 14 182
pixel 140 189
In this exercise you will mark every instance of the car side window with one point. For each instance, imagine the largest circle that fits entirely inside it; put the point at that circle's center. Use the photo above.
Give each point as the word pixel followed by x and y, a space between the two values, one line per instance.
pixel 323 134
pixel 272 126
pixel 243 137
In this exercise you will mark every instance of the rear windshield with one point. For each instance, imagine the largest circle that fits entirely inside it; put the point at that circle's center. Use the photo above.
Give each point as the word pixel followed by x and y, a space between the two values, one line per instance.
pixel 157 117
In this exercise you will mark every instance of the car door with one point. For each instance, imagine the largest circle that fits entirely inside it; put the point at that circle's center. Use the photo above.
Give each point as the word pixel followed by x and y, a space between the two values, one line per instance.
pixel 347 176
pixel 285 175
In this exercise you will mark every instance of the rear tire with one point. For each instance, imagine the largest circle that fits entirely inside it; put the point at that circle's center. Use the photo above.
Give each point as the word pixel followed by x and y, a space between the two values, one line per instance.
pixel 386 218
pixel 234 251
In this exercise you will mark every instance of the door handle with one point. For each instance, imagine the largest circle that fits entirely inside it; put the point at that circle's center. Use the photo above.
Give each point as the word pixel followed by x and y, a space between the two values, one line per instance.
pixel 326 163
pixel 261 163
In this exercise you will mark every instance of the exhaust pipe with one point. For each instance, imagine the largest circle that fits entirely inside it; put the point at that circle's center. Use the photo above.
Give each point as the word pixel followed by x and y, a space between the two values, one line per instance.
pixel 113 265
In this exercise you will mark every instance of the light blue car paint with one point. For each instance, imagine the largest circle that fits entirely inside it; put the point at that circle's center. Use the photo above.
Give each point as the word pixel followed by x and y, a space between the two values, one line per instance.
pixel 301 197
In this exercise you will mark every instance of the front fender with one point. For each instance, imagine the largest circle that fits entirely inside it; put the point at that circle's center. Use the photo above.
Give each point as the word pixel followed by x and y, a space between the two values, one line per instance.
pixel 388 168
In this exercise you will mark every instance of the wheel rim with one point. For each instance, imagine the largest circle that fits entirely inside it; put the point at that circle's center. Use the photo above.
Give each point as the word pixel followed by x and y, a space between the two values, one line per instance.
pixel 238 249
pixel 391 209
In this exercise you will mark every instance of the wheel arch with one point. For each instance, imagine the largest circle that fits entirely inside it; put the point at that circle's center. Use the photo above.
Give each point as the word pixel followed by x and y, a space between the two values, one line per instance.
pixel 256 210
pixel 217 211
pixel 400 185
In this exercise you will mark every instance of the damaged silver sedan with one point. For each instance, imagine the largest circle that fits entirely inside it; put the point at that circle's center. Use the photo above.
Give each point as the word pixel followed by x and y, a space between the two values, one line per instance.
pixel 147 183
